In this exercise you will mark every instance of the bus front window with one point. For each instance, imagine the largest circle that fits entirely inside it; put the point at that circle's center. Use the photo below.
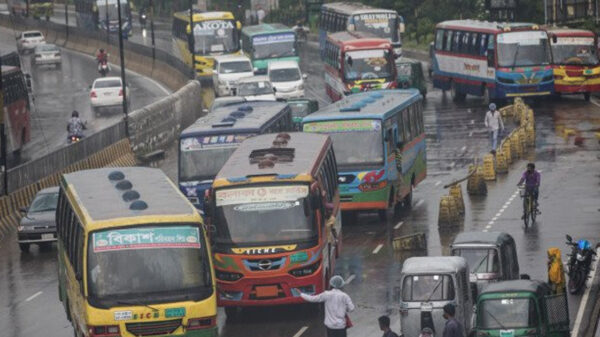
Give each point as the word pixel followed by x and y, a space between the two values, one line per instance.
pixel 367 65
pixel 523 49
pixel 480 260
pixel 383 25
pixel 270 214
pixel 215 37
pixel 274 46
pixel 575 51
pixel 112 8
pixel 507 313
pixel 155 264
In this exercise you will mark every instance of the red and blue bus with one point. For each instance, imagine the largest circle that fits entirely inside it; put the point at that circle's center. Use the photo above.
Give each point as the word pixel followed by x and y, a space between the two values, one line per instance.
pixel 491 60
pixel 356 62
pixel 16 109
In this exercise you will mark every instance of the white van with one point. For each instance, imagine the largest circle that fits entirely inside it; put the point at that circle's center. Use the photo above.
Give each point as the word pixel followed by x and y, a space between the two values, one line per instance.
pixel 227 71
pixel 287 79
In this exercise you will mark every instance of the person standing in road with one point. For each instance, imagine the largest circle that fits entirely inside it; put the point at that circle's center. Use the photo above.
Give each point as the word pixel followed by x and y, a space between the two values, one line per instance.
pixel 493 121
pixel 453 328
pixel 384 325
pixel 337 306
pixel 556 273
pixel 260 14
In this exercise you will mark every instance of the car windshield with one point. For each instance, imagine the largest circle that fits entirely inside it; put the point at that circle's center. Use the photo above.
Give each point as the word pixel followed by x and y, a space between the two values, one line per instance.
pixel 284 75
pixel 507 313
pixel 107 84
pixel 254 88
pixel 215 37
pixel 575 51
pixel 419 288
pixel 384 25
pixel 34 34
pixel 274 46
pixel 480 260
pixel 523 49
pixel 235 67
pixel 163 263
pixel 273 214
pixel 356 142
pixel 367 65
pixel 46 48
pixel 44 202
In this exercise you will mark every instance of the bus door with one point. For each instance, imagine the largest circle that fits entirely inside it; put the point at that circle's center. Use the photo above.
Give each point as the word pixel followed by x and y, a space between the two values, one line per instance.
pixel 390 140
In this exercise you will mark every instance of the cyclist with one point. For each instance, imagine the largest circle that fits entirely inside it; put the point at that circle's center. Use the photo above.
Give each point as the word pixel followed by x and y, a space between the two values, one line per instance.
pixel 532 179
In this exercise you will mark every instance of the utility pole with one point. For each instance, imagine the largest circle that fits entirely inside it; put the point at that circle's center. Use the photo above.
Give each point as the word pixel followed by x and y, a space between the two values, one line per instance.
pixel 27 8
pixel 122 56
pixel 108 22
pixel 192 38
pixel 152 29
pixel 67 18
pixel 3 165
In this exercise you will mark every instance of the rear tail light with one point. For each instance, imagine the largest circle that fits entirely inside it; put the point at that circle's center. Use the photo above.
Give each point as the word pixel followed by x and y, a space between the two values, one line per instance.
pixel 121 92
pixel 202 323
pixel 104 331
pixel 93 94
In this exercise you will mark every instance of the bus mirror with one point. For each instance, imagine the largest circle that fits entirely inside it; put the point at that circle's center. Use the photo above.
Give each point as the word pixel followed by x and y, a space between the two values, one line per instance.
pixel 401 27
pixel 304 76
pixel 490 58
pixel 554 39
pixel 238 25
pixel 78 277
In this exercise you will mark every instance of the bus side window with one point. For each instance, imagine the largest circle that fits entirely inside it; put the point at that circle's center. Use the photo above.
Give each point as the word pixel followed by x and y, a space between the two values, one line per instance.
pixel 465 44
pixel 474 43
pixel 483 45
pixel 413 121
pixel 456 42
pixel 439 39
pixel 389 142
pixel 79 256
pixel 406 126
pixel 448 42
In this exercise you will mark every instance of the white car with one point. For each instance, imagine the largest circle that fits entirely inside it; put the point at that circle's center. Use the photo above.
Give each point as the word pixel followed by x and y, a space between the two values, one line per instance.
pixel 256 88
pixel 227 71
pixel 46 54
pixel 287 79
pixel 107 92
pixel 30 39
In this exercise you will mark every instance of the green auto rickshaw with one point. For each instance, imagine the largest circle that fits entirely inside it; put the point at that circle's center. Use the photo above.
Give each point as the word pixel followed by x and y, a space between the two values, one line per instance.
pixel 520 308
pixel 301 107
pixel 410 75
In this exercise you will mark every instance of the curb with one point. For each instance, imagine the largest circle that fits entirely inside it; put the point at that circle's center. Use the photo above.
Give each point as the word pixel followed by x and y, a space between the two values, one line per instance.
pixel 587 315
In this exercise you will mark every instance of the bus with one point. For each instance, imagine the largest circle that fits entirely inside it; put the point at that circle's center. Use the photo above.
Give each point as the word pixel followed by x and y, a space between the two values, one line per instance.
pixel 207 144
pixel 347 16
pixel 575 61
pixel 104 15
pixel 269 42
pixel 214 34
pixel 275 207
pixel 496 61
pixel 37 8
pixel 17 111
pixel 356 62
pixel 379 141
pixel 133 258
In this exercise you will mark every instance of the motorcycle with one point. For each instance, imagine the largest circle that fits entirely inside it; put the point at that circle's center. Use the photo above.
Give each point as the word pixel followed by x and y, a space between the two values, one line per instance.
pixel 143 18
pixel 579 264
pixel 103 68
pixel 74 138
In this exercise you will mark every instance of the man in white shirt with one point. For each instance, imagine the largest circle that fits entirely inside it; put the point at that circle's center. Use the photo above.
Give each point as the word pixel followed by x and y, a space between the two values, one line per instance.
pixel 337 306
pixel 493 121
pixel 260 13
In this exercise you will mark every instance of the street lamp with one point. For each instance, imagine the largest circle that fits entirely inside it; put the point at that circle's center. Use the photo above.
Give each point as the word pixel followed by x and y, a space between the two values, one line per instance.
pixel 152 29
pixel 3 164
pixel 192 40
pixel 67 18
pixel 122 56
pixel 107 22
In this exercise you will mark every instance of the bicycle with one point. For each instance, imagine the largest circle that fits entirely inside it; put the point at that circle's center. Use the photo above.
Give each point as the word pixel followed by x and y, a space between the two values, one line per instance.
pixel 529 207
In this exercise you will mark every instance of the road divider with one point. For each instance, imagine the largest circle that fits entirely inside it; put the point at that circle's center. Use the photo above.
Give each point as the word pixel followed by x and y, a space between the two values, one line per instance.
pixel 415 241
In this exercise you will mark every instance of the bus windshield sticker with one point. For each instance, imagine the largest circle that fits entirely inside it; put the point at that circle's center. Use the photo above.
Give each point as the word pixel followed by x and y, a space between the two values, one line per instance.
pixel 376 20
pixel 527 38
pixel 268 39
pixel 577 41
pixel 209 27
pixel 146 238
pixel 197 143
pixel 357 125
pixel 266 206
pixel 264 194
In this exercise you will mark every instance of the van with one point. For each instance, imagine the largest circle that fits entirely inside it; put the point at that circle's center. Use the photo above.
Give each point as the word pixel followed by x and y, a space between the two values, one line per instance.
pixel 287 79
pixel 227 71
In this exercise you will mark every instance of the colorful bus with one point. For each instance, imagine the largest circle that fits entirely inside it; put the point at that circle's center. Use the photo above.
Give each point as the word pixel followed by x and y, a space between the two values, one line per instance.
pixel 356 62
pixel 16 112
pixel 491 60
pixel 207 144
pixel 133 258
pixel 575 61
pixel 269 42
pixel 379 141
pixel 275 206
pixel 104 15
pixel 214 34
pixel 37 8
pixel 342 16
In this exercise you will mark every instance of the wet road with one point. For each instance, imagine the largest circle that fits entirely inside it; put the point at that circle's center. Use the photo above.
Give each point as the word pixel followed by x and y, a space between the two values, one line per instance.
pixel 568 198
pixel 57 92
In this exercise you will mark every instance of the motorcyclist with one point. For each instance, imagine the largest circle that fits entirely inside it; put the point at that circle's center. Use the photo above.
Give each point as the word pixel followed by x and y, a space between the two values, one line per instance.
pixel 142 16
pixel 102 56
pixel 75 126
pixel 532 179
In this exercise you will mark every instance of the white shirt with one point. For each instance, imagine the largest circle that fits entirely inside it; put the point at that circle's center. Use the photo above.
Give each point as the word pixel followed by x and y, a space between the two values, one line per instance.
pixel 337 305
pixel 260 14
pixel 493 121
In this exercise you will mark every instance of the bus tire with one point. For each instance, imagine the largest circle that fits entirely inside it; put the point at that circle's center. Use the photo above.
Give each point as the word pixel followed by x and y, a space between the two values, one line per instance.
pixel 24 247
pixel 407 201
pixel 456 96
pixel 384 214
pixel 231 313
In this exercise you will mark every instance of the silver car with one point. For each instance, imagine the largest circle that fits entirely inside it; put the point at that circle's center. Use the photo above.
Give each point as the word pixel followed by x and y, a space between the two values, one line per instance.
pixel 38 224
pixel 45 54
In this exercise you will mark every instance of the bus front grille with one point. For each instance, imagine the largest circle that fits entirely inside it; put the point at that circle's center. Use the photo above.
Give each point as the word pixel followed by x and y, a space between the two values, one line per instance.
pixel 153 328
pixel 346 198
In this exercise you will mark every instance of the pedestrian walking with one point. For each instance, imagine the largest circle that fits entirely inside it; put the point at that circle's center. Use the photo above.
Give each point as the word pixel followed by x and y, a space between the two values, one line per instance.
pixel 493 122
pixel 556 273
pixel 453 328
pixel 337 306
pixel 260 14
pixel 384 325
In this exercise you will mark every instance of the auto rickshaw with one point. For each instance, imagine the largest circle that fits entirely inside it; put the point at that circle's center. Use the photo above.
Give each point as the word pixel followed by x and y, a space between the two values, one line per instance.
pixel 410 75
pixel 301 107
pixel 491 257
pixel 429 283
pixel 521 308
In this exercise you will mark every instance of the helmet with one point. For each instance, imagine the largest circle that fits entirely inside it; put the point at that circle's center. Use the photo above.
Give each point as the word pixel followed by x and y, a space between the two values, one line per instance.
pixel 336 282
pixel 427 331
pixel 492 106
pixel 531 165
pixel 102 50
pixel 584 244
pixel 75 113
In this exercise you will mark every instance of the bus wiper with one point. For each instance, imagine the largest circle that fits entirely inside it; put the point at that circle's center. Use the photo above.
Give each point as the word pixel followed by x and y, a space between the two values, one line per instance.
pixel 516 54
pixel 136 303
pixel 485 257
pixel 495 319
pixel 434 289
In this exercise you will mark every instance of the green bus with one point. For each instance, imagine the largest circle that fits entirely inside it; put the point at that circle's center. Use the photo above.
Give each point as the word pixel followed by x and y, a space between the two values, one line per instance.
pixel 269 42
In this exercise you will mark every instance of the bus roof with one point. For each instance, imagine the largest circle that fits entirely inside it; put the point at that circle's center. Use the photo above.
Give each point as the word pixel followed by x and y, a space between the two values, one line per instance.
pixel 434 265
pixel 100 198
pixel 364 105
pixel 513 286
pixel 266 28
pixel 9 69
pixel 492 238
pixel 290 154
pixel 201 16
pixel 234 118
pixel 568 32
pixel 350 8
pixel 358 40
pixel 486 26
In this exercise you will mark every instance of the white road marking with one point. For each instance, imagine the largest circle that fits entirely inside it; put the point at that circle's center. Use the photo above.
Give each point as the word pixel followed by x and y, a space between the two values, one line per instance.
pixel 490 223
pixel 498 214
pixel 472 121
pixel 471 134
pixel 399 224
pixel 593 101
pixel 33 296
pixel 495 218
pixel 349 279
pixel 462 149
pixel 301 331
pixel 437 183
pixel 421 201
pixel 488 226
pixel 378 248
pixel 485 230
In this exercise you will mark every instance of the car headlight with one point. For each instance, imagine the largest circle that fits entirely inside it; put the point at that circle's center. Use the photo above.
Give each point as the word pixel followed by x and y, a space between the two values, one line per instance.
pixel 301 86
pixel 306 270
pixel 227 276
pixel 20 228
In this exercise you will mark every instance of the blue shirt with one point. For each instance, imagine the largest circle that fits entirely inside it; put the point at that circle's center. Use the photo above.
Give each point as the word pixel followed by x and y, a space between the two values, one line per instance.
pixel 453 328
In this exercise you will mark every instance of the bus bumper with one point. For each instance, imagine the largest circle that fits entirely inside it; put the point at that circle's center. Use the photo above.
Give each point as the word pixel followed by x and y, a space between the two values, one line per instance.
pixel 510 91
pixel 576 88
pixel 212 332
pixel 362 201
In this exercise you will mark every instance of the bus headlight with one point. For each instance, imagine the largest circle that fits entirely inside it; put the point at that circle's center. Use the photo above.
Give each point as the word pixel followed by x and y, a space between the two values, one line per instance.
pixel 367 187
pixel 104 330
pixel 227 276
pixel 306 270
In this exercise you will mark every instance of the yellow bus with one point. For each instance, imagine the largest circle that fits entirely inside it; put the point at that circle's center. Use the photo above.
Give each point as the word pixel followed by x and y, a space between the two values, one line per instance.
pixel 133 259
pixel 215 33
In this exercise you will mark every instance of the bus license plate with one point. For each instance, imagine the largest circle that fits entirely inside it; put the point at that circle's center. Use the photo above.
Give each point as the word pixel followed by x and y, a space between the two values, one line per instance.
pixel 267 291
pixel 47 236
pixel 174 312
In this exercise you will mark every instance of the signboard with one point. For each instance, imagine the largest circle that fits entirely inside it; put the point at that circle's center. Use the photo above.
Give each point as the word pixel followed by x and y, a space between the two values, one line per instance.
pixel 146 238
pixel 267 194
pixel 214 26
pixel 275 38
pixel 527 38
pixel 203 142
pixel 356 125
pixel 376 20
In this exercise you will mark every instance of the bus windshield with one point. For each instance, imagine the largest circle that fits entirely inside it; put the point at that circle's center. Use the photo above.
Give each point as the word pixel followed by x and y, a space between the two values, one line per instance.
pixel 383 25
pixel 215 37
pixel 274 46
pixel 523 49
pixel 273 214
pixel 575 51
pixel 480 260
pixel 507 313
pixel 159 263
pixel 112 9
pixel 419 288
pixel 357 142
pixel 367 65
